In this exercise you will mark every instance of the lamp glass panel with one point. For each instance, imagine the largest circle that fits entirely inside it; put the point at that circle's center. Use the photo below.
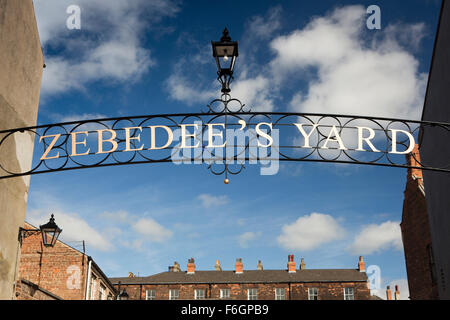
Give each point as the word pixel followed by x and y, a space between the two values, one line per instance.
pixel 224 50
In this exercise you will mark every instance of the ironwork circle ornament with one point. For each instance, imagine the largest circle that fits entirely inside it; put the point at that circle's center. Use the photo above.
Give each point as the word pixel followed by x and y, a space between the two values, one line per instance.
pixel 226 136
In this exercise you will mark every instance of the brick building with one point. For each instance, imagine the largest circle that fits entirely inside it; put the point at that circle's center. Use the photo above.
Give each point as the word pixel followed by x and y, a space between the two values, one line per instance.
pixel 240 284
pixel 26 290
pixel 416 236
pixel 62 271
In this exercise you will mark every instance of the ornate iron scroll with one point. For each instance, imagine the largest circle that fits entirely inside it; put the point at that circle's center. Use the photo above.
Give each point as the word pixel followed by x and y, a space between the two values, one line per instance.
pixel 133 136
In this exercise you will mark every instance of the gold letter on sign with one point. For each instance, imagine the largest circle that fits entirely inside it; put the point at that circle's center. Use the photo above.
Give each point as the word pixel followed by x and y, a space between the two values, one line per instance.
pixel 110 140
pixel 264 135
pixel 128 139
pixel 153 133
pixel 211 134
pixel 184 135
pixel 52 144
pixel 304 134
pixel 334 136
pixel 75 143
pixel 412 142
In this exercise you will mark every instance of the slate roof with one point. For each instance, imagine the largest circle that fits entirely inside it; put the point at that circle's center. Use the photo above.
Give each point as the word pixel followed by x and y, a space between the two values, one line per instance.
pixel 248 276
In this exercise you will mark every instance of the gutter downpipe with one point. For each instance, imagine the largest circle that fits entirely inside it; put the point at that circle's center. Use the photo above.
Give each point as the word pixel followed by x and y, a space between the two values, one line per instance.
pixel 88 285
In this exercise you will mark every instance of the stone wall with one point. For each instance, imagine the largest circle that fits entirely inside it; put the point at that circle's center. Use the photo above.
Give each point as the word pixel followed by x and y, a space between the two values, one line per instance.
pixel 21 65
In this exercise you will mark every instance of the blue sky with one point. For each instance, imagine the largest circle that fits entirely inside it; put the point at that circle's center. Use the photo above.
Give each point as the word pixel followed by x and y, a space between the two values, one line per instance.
pixel 153 57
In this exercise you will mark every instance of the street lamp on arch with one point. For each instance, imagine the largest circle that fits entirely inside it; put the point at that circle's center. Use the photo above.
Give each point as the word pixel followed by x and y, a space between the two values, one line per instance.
pixel 225 52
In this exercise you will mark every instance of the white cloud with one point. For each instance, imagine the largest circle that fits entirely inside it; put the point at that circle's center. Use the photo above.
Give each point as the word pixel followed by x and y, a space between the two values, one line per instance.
pixel 352 78
pixel 108 46
pixel 74 228
pixel 247 237
pixel 181 89
pixel 376 238
pixel 255 93
pixel 152 230
pixel 310 232
pixel 208 200
pixel 264 27
pixel 119 216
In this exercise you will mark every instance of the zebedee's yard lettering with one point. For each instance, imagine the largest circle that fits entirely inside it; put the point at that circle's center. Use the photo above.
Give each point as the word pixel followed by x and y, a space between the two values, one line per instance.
pixel 133 139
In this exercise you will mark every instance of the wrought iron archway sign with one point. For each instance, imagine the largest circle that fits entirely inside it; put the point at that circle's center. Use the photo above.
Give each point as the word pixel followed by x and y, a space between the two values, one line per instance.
pixel 226 136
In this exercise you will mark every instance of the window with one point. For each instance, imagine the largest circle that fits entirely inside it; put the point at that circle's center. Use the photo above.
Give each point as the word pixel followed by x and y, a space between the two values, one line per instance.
pixel 150 294
pixel 92 287
pixel 280 294
pixel 313 294
pixel 199 294
pixel 224 293
pixel 252 294
pixel 174 294
pixel 349 294
pixel 101 293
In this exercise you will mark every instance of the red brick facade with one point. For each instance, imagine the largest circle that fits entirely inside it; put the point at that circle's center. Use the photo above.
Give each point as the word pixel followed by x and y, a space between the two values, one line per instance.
pixel 62 270
pixel 239 291
pixel 26 290
pixel 416 236
pixel 288 284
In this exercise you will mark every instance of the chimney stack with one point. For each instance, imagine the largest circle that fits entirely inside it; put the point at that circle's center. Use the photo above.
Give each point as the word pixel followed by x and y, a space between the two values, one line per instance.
pixel 217 267
pixel 397 293
pixel 291 264
pixel 361 265
pixel 388 293
pixel 413 160
pixel 302 264
pixel 176 267
pixel 191 266
pixel 259 266
pixel 239 266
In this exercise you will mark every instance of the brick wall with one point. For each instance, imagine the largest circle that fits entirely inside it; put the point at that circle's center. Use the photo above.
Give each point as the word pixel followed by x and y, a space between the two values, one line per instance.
pixel 266 291
pixel 416 237
pixel 26 290
pixel 62 270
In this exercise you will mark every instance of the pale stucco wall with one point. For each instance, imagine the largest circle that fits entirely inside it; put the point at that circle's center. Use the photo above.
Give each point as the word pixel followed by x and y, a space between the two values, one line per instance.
pixel 21 65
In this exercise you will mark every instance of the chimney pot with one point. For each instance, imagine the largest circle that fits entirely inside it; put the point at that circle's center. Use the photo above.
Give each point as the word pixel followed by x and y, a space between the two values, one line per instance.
pixel 176 267
pixel 397 293
pixel 388 293
pixel 217 267
pixel 291 264
pixel 361 265
pixel 259 266
pixel 191 266
pixel 302 264
pixel 239 267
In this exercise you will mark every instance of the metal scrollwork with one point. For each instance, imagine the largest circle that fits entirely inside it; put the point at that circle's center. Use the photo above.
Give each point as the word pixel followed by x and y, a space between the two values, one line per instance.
pixel 227 113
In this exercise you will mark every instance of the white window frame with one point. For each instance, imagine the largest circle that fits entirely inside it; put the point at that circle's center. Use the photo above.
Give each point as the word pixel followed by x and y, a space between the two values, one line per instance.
pixel 150 294
pixel 252 294
pixel 349 296
pixel 280 294
pixel 223 295
pixel 173 296
pixel 313 293
pixel 102 291
pixel 92 287
pixel 200 294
